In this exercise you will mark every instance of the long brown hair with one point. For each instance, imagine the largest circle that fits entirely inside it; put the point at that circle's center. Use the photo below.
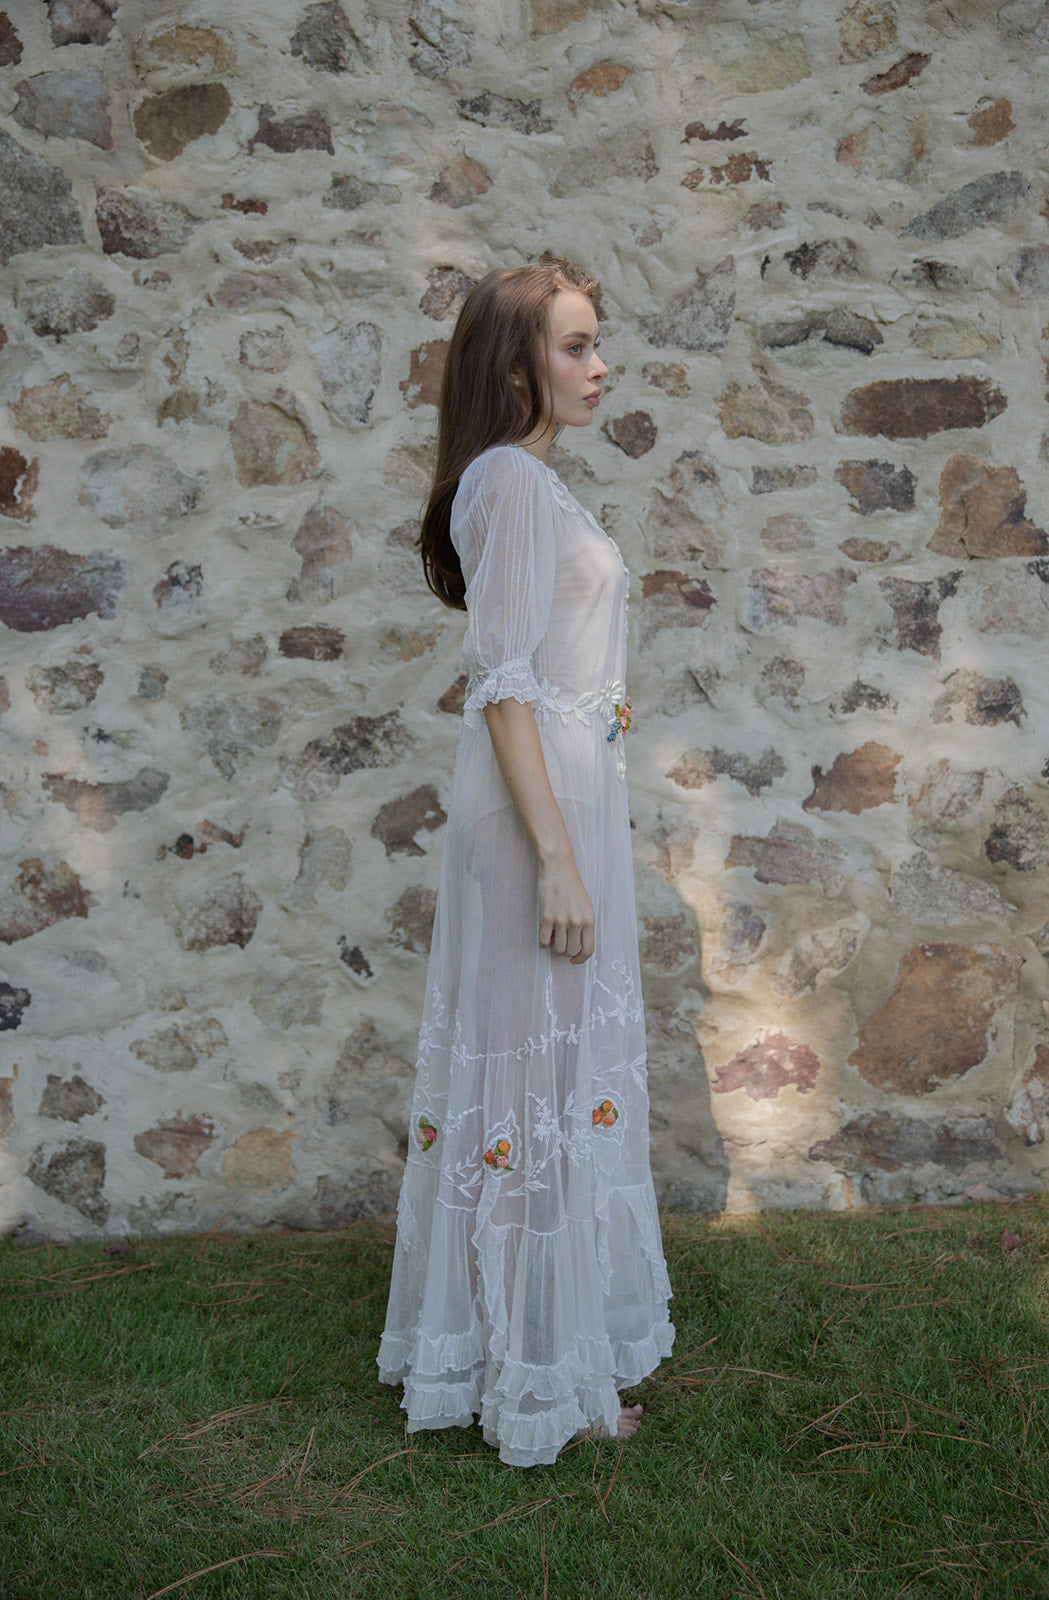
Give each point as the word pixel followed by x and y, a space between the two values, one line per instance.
pixel 497 341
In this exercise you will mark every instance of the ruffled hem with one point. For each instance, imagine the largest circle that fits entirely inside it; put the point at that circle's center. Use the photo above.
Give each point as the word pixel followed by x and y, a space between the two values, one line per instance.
pixel 512 680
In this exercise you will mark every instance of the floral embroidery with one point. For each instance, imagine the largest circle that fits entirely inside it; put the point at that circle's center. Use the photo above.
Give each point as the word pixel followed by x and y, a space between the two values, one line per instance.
pixel 621 723
pixel 499 1156
pixel 605 1115
pixel 426 1133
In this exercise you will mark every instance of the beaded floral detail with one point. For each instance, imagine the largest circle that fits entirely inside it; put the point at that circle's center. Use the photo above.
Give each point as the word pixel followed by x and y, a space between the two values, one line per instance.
pixel 605 1115
pixel 498 1157
pixel 425 1133
pixel 621 723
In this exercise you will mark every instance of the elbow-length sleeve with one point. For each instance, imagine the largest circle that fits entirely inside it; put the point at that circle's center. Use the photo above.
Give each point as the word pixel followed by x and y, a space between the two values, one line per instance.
pixel 507 545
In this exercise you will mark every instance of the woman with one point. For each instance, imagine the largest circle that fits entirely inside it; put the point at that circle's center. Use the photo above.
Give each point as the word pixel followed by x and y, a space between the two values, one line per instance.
pixel 528 1282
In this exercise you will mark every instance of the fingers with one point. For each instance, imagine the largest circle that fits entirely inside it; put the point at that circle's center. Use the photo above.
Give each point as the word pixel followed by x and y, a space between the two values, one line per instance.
pixel 572 939
pixel 586 945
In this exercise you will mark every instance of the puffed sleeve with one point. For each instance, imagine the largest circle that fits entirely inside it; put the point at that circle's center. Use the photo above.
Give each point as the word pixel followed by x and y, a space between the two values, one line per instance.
pixel 507 539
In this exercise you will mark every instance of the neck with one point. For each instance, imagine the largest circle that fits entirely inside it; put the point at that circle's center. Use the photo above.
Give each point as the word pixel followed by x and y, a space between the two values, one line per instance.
pixel 537 444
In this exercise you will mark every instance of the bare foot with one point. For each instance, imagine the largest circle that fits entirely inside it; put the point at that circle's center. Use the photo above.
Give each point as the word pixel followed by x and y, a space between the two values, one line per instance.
pixel 626 1426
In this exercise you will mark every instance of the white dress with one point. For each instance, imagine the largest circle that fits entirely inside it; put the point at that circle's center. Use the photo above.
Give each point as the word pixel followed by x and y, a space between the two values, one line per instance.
pixel 529 1284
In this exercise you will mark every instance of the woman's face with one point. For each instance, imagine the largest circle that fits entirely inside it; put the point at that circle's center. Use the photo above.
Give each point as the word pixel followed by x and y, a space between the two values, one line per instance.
pixel 573 370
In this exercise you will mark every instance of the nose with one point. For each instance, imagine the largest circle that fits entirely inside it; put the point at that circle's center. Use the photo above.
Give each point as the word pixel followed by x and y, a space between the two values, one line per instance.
pixel 598 368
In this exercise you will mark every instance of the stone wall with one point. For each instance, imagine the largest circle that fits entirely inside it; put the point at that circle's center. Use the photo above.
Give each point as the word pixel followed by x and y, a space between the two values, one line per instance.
pixel 232 242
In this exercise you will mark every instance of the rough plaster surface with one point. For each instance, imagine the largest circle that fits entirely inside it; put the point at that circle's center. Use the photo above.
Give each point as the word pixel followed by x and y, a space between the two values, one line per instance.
pixel 233 242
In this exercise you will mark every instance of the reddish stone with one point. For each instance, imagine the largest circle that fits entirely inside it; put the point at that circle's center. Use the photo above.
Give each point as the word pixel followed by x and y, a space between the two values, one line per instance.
pixel 448 289
pixel 308 132
pixel 867 549
pixel 882 1141
pixel 858 780
pixel 675 601
pixel 603 79
pixel 411 919
pixel 898 76
pixel 670 376
pixel 724 132
pixel 176 1144
pixel 398 821
pixel 939 1021
pixel 914 408
pixel 916 607
pixel 983 513
pixel 992 122
pixel 634 433
pixel 312 642
pixel 776 599
pixel 44 587
pixel 248 207
pixel 865 29
pixel 453 697
pixel 877 485
pixel 99 806
pixel 271 447
pixel 765 214
pixel 324 541
pixel 422 386
pixel 550 16
pixel 39 897
pixel 770 1063
pixel 19 479
pixel 668 943
pixel 767 411
pixel 137 223
pixel 81 21
pixel 740 167
pixel 168 122
pixel 10 43
pixel 790 854
pixel 69 1099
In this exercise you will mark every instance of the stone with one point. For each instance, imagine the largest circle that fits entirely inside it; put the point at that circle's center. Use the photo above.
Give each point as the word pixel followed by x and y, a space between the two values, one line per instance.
pixel 1007 601
pixel 228 914
pixel 866 29
pixel 438 42
pixel 66 688
pixel 915 408
pixel 349 361
pixel 136 484
pixel 876 486
pixel 355 961
pixel 37 207
pixel 983 702
pixel 634 433
pixel 325 40
pixel 740 936
pixel 1028 1110
pixel 786 534
pixel 928 893
pixel 916 611
pixel 741 58
pixel 447 292
pixel 988 199
pixel 687 513
pixel 670 376
pixel 767 411
pixel 946 794
pixel 630 155
pixel 298 1003
pixel 182 1046
pixel 891 149
pixel 59 409
pixel 13 1004
pixel 72 103
pixel 946 343
pixel 776 599
pixel 845 329
pixel 673 849
pixel 152 684
pixel 460 184
pixel 166 123
pixel 348 193
pixel 983 513
pixel 325 856
pixel 137 223
pixel 551 16
pixel 898 76
pixel 868 550
pixel 860 696
pixel 10 43
pixel 68 1099
pixel 312 641
pixel 701 318
pixel 885 1141
pixel 668 944
pixel 74 1175
pixel 597 82
pixel 724 133
pixel 828 258
pixel 696 768
pixel 176 1144
pixel 324 542
pixel 1019 836
pixel 260 1162
pixel 81 21
pixel 271 447
pixel 247 656
pixel 99 806
pixel 784 678
pixel 857 781
pixel 178 591
pixel 265 350
pixel 410 919
pixel 168 47
pixel 452 700
pixel 44 587
pixel 991 123
pixel 285 135
pixel 791 853
pixel 938 1023
pixel 400 820
pixel 771 1062
pixel 1029 267
pixel 820 957
pixel 765 214
pixel 673 600
pixel 74 303
pixel 355 746
pixel 770 480
pixel 422 386
pixel 495 110
pixel 233 729
pixel 245 291
pixel 741 167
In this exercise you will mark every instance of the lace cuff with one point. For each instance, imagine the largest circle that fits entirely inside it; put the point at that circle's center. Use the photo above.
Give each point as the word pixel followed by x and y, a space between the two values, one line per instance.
pixel 511 680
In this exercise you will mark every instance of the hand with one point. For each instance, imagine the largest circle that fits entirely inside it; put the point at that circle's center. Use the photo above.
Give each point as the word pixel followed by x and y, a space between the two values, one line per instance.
pixel 566 917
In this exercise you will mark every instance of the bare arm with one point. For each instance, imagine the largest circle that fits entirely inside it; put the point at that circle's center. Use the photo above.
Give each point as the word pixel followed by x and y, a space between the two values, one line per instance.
pixel 566 917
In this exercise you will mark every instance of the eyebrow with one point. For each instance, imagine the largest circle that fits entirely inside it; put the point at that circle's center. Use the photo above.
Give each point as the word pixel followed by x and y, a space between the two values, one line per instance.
pixel 580 335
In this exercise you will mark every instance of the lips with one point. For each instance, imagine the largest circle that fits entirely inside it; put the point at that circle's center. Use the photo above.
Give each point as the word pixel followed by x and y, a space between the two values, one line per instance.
pixel 592 399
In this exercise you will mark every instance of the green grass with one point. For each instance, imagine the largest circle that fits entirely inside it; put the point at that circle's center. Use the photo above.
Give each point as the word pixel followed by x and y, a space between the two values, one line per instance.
pixel 855 1407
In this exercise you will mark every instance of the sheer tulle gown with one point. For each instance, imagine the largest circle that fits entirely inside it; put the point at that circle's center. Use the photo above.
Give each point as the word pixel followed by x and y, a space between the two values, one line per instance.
pixel 529 1284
